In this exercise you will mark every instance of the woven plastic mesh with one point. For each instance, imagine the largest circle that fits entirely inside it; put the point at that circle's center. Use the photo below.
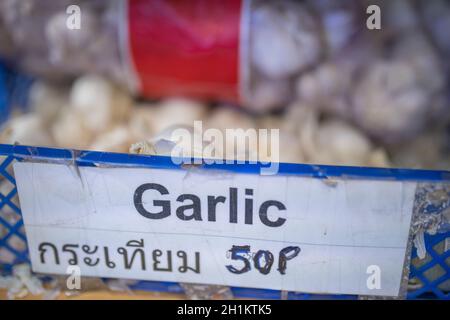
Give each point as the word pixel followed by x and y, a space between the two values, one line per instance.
pixel 429 277
pixel 13 248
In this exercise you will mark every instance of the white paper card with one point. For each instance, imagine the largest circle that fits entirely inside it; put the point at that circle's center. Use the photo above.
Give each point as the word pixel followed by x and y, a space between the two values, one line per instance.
pixel 274 232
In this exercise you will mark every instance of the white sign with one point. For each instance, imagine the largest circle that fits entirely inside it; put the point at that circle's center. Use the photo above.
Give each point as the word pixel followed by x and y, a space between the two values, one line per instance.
pixel 275 232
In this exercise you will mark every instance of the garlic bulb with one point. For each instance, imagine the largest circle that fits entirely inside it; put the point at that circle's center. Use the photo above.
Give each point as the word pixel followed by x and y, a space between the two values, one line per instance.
pixel 327 88
pixel 284 39
pixel 389 103
pixel 341 20
pixel 64 44
pixel 269 94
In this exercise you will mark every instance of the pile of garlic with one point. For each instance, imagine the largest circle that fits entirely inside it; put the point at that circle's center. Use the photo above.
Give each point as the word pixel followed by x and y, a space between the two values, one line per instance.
pixel 391 83
pixel 96 115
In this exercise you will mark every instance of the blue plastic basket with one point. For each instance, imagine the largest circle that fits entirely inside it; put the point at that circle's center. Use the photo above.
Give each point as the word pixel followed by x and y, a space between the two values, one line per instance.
pixel 431 274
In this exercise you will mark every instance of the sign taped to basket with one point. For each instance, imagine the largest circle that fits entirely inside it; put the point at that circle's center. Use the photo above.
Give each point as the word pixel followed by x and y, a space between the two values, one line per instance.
pixel 286 232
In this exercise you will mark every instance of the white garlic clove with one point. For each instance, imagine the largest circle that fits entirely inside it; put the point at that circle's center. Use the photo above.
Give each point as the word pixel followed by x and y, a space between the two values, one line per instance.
pixel 270 122
pixel 46 100
pixel 99 102
pixel 339 143
pixel 223 118
pixel 28 129
pixel 117 139
pixel 178 111
pixel 289 148
pixel 303 120
pixel 141 122
pixel 379 158
pixel 239 144
pixel 70 131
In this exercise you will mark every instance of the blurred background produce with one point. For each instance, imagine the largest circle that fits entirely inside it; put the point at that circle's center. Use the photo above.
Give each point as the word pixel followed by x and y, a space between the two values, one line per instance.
pixel 339 92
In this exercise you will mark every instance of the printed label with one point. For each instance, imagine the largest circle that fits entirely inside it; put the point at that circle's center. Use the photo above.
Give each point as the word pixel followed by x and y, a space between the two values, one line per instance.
pixel 201 226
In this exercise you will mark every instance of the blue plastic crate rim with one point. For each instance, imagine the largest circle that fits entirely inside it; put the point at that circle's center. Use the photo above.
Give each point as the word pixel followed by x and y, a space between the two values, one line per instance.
pixel 429 277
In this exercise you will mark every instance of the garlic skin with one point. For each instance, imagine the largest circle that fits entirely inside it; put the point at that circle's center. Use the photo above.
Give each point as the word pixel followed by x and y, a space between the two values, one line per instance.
pixel 99 102
pixel 27 129
pixel 284 38
pixel 21 283
pixel 142 147
pixel 180 141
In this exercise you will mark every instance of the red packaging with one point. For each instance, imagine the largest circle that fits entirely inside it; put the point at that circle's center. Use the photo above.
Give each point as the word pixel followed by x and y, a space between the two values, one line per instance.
pixel 188 48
